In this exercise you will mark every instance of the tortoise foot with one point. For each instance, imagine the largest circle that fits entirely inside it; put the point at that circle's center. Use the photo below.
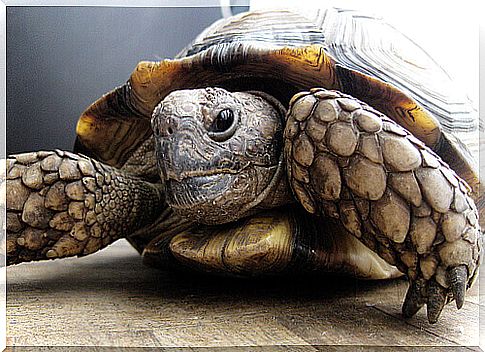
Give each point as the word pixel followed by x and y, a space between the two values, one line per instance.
pixel 60 204
pixel 349 162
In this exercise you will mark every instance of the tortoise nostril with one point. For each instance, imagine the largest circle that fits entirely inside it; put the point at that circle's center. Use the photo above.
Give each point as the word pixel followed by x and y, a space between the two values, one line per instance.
pixel 170 125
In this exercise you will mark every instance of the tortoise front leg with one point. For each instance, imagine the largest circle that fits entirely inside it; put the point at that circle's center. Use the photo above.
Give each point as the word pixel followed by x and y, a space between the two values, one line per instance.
pixel 350 162
pixel 61 204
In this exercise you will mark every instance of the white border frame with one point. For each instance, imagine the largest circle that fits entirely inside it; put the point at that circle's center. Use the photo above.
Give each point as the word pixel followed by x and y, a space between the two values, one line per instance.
pixel 161 3
pixel 3 148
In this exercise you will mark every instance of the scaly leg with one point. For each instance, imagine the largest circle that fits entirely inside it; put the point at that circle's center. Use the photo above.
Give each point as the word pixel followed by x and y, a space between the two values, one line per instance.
pixel 61 204
pixel 352 163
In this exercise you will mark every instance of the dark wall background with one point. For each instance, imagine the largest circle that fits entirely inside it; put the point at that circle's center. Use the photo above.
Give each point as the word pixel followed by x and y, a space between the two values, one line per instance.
pixel 61 59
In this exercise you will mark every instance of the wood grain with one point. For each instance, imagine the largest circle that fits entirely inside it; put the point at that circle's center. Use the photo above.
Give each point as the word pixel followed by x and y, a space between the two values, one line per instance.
pixel 111 299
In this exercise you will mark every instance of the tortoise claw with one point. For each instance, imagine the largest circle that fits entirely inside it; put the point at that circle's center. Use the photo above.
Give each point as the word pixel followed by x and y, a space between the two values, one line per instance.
pixel 457 277
pixel 436 301
pixel 414 300
pixel 434 295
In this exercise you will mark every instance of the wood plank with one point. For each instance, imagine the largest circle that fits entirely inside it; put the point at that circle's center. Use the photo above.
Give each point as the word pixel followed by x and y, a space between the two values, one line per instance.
pixel 285 348
pixel 111 299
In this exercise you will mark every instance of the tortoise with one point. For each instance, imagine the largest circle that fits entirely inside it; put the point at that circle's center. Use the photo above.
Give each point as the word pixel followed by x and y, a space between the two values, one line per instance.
pixel 273 144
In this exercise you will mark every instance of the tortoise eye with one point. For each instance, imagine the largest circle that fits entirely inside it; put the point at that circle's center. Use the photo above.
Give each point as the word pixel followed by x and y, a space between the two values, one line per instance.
pixel 223 121
pixel 223 126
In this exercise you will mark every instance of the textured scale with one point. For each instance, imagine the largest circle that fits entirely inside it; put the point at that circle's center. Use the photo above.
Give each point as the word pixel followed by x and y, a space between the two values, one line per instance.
pixel 413 215
pixel 52 210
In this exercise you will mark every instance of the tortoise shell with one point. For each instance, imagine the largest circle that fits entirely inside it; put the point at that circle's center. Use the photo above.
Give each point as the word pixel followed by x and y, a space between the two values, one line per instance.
pixel 334 77
pixel 281 53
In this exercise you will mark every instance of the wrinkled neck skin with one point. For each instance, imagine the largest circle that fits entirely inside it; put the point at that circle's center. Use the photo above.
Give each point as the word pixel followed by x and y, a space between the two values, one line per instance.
pixel 277 194
pixel 220 153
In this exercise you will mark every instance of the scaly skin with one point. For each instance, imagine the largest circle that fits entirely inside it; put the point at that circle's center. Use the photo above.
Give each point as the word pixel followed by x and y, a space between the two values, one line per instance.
pixel 347 161
pixel 60 204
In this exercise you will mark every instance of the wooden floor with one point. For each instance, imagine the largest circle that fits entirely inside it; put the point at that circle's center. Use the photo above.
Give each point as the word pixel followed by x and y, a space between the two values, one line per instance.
pixel 111 299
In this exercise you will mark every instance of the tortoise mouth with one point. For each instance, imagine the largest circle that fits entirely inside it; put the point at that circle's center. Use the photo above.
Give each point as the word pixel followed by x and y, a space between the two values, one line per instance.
pixel 192 185
pixel 193 190
pixel 195 175
pixel 202 198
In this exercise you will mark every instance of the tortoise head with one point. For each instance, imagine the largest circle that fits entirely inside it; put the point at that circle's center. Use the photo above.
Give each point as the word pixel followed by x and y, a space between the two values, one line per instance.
pixel 219 153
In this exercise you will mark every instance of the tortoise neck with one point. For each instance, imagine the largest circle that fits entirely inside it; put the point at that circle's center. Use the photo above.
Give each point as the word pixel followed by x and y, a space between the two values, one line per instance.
pixel 278 192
